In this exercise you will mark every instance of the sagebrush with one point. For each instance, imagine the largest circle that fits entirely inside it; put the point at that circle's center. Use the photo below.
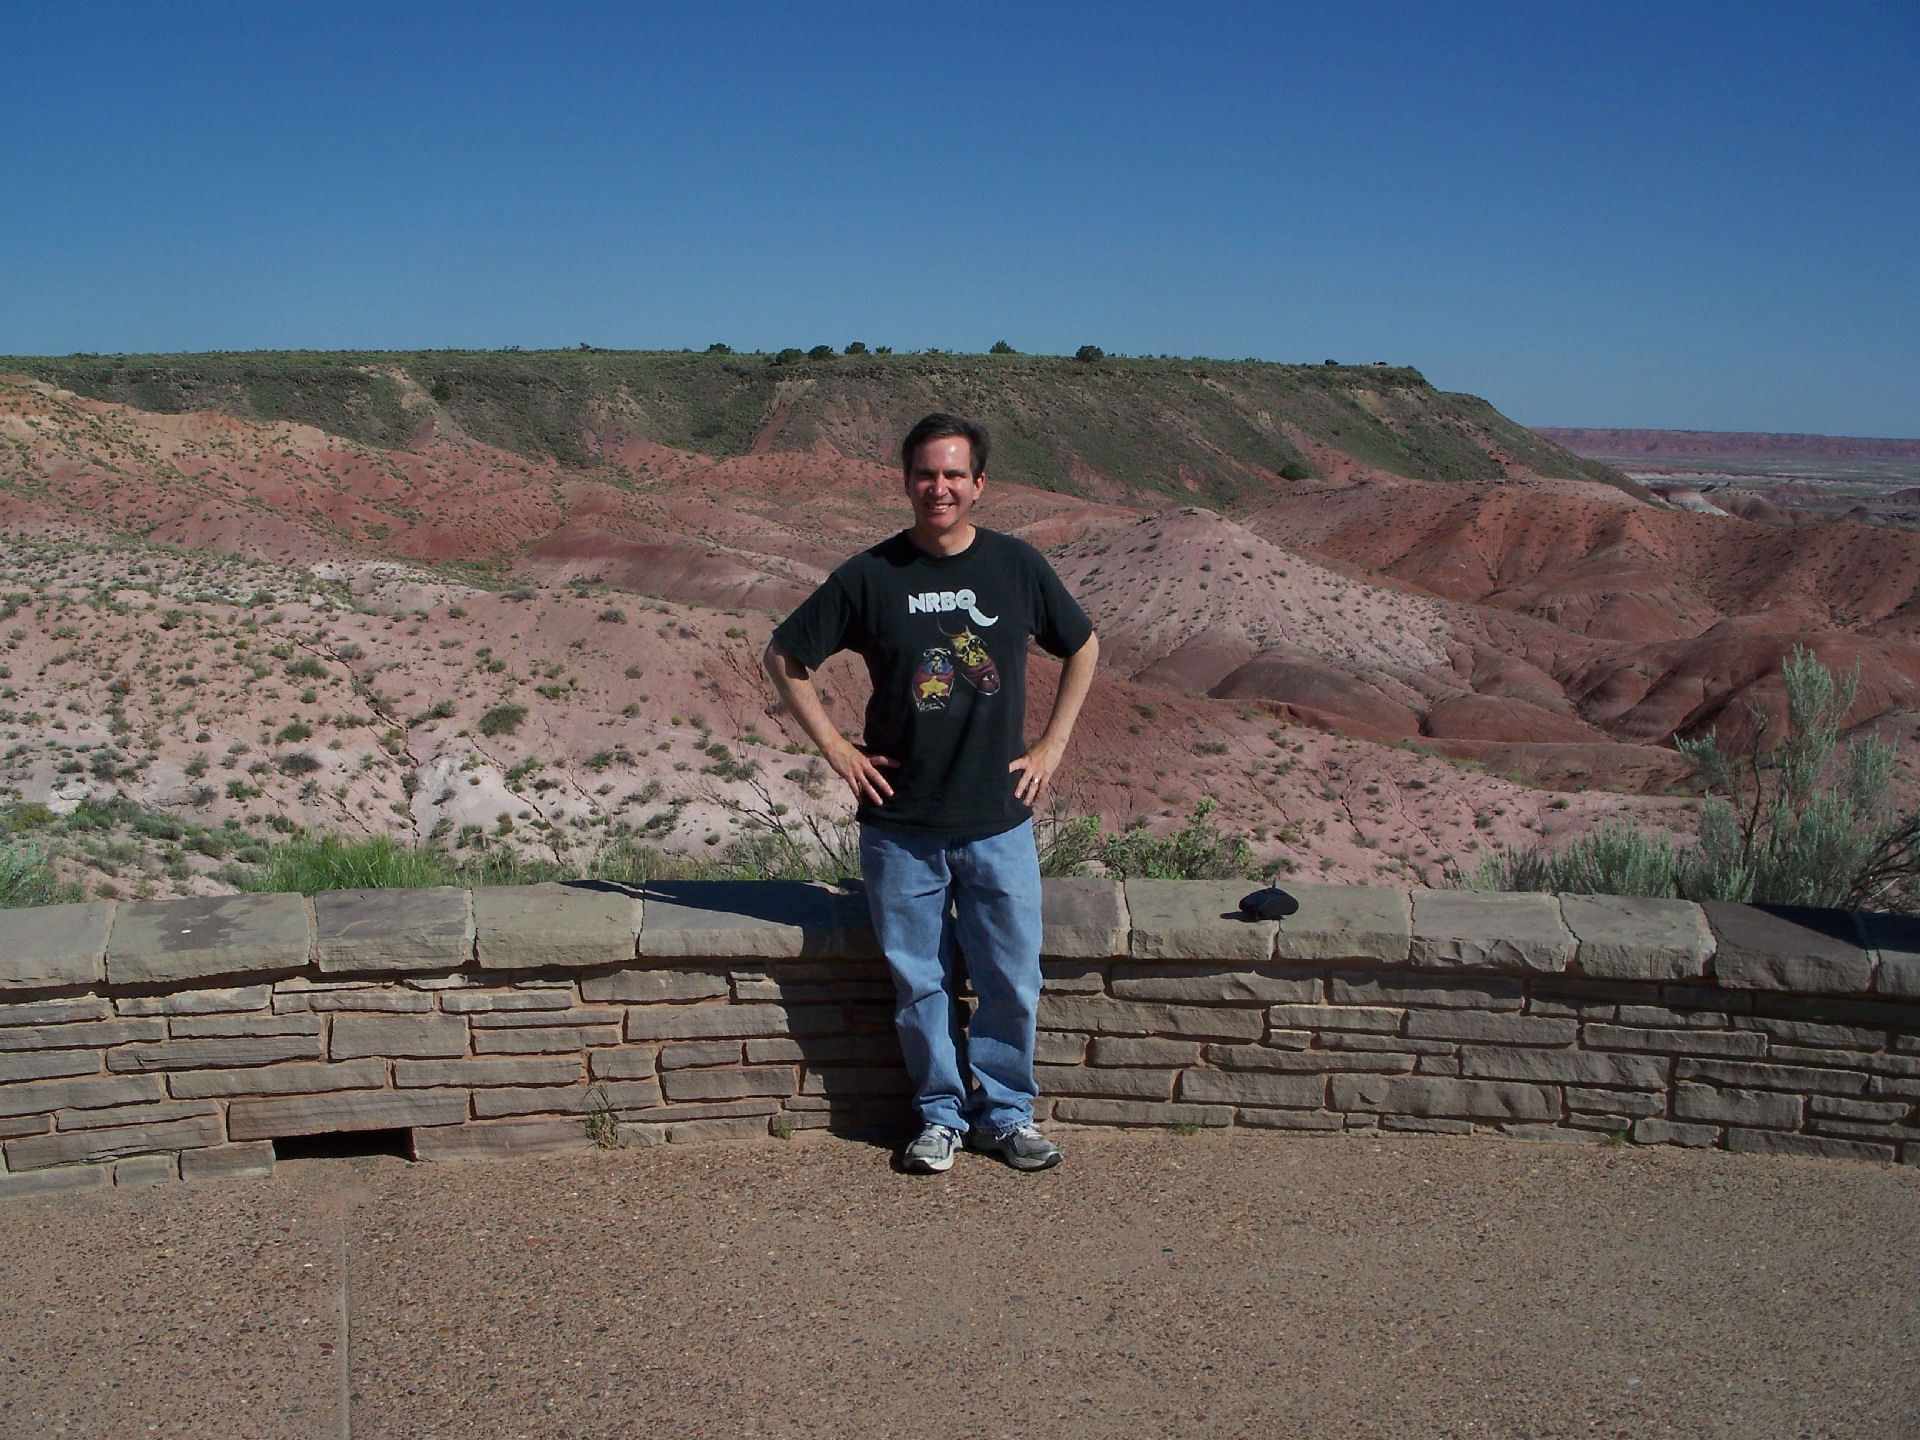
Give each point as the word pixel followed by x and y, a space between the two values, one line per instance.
pixel 1794 819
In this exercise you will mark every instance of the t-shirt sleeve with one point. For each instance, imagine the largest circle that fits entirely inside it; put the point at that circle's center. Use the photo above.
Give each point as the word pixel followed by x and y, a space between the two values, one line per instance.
pixel 819 627
pixel 1060 626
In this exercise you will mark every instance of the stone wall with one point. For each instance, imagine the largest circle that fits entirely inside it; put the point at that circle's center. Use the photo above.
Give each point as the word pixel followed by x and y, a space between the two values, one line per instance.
pixel 149 1041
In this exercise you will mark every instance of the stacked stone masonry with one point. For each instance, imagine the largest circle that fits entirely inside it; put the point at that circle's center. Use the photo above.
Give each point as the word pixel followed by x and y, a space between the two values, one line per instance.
pixel 152 1041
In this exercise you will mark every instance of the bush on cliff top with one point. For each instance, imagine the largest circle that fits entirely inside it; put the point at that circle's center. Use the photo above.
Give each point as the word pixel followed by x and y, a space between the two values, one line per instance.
pixel 1801 822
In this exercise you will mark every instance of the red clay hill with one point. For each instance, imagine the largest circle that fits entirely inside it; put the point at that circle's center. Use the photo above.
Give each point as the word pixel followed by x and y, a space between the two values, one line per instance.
pixel 1341 550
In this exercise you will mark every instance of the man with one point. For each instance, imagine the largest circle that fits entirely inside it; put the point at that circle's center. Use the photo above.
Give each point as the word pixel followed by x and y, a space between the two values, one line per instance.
pixel 942 613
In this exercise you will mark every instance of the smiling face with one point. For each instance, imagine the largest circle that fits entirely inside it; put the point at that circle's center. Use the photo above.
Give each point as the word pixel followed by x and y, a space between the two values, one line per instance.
pixel 943 488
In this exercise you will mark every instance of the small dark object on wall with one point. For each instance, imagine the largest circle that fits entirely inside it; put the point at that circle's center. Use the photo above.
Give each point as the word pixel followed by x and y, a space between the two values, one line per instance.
pixel 1272 903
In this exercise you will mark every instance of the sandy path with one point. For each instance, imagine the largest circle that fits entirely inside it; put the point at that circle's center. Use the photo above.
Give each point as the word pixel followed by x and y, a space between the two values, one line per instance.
pixel 1155 1285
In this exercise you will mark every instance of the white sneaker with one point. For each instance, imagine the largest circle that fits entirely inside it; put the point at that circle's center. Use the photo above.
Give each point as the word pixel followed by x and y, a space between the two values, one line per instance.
pixel 1024 1148
pixel 931 1151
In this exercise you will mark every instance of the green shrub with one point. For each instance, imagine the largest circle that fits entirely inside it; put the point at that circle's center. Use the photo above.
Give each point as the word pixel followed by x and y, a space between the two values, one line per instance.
pixel 28 815
pixel 376 863
pixel 1198 850
pixel 502 719
pixel 1068 847
pixel 26 878
pixel 1616 859
pixel 1800 822
pixel 1001 347
pixel 1089 354
pixel 1794 824
pixel 502 865
pixel 307 668
pixel 626 862
pixel 293 732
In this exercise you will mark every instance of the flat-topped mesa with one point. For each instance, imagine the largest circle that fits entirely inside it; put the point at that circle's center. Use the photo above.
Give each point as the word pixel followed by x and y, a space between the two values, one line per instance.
pixel 155 1040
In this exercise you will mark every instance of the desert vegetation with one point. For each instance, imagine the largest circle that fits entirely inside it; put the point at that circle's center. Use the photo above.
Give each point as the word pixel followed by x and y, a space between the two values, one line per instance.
pixel 1197 850
pixel 1796 818
pixel 814 847
pixel 26 878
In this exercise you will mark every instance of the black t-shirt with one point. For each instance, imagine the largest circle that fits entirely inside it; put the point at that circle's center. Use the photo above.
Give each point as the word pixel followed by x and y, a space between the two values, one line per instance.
pixel 945 641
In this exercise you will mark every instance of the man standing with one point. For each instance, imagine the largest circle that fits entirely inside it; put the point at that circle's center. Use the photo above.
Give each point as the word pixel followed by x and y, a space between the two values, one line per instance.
pixel 942 613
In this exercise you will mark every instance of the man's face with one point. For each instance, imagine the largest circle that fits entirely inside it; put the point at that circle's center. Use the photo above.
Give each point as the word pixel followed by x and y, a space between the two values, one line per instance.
pixel 941 485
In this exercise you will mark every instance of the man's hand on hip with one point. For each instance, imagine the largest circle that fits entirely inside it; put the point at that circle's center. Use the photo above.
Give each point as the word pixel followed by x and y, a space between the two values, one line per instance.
pixel 1036 769
pixel 862 772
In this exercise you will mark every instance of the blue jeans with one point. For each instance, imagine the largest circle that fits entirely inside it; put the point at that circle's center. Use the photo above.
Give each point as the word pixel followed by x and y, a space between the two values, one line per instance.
pixel 933 902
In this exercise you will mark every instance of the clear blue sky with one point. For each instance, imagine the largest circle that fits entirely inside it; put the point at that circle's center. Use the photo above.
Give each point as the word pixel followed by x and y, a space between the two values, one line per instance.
pixel 1610 214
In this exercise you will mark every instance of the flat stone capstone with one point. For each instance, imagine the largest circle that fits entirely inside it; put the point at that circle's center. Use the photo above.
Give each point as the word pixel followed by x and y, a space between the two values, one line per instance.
pixel 765 919
pixel 1195 920
pixel 161 942
pixel 536 927
pixel 1083 918
pixel 1347 922
pixel 49 946
pixel 1624 937
pixel 1476 930
pixel 1787 947
pixel 371 932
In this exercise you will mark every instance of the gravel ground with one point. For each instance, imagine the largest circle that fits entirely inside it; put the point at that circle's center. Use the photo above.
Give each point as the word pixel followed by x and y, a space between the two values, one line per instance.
pixel 1155 1285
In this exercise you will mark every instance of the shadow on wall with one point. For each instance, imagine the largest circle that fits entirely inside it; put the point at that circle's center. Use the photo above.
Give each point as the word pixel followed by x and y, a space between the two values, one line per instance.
pixel 817 910
pixel 836 994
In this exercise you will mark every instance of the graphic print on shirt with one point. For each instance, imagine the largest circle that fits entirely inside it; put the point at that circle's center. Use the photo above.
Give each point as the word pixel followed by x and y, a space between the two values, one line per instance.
pixel 975 663
pixel 929 602
pixel 933 679
pixel 964 654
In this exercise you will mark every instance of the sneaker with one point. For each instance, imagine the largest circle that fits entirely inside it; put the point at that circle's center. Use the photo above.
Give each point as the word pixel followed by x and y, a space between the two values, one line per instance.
pixel 1024 1148
pixel 931 1151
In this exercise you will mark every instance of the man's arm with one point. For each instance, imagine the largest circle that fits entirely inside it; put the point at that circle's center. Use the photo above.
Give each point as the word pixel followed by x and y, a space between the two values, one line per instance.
pixel 795 684
pixel 1044 755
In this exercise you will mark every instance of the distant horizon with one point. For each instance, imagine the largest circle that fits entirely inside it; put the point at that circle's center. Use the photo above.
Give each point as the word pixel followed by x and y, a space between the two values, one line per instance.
pixel 1708 430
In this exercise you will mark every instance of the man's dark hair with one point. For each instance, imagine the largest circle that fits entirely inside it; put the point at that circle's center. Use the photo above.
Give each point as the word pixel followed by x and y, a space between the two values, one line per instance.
pixel 938 426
